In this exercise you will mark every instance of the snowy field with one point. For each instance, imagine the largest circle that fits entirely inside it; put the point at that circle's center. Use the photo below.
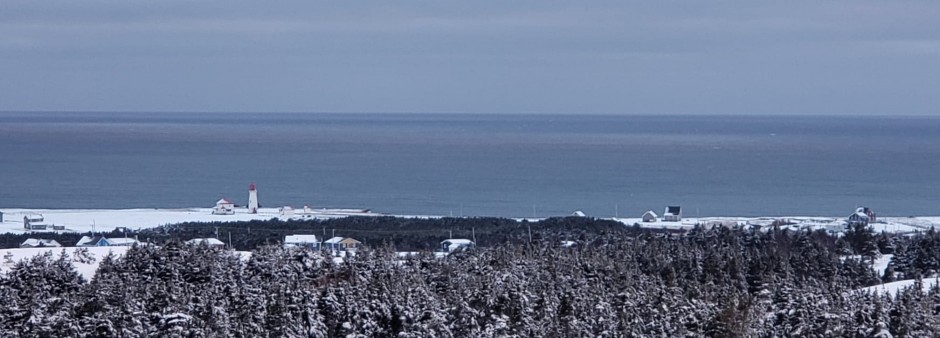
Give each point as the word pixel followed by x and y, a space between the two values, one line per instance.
pixel 85 220
pixel 893 287
pixel 880 264
pixel 834 224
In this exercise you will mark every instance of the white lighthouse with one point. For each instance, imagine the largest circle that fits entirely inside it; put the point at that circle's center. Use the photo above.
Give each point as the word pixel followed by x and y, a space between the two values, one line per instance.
pixel 252 199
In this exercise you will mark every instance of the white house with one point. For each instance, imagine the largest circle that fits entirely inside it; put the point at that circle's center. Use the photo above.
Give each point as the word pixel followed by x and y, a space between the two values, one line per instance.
pixel 455 244
pixel 40 243
pixel 578 213
pixel 224 207
pixel 212 242
pixel 302 241
pixel 650 216
pixel 672 214
pixel 286 211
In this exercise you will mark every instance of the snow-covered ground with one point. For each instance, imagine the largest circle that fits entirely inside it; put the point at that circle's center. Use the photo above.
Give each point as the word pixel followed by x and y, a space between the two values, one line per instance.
pixel 893 288
pixel 84 220
pixel 881 263
pixel 889 224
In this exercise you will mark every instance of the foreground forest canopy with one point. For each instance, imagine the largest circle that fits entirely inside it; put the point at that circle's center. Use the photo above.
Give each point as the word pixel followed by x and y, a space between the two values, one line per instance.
pixel 614 283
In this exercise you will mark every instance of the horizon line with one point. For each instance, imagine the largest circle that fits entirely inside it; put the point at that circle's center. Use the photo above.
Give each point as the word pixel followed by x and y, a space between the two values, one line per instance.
pixel 673 114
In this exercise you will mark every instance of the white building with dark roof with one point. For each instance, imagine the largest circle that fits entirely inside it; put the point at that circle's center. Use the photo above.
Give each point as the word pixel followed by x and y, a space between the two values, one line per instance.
pixel 862 215
pixel 672 214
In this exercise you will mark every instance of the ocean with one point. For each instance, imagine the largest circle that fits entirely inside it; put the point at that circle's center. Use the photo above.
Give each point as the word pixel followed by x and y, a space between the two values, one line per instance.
pixel 475 165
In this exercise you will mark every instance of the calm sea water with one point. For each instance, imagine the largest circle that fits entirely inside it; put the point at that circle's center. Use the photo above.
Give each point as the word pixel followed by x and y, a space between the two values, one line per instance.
pixel 499 165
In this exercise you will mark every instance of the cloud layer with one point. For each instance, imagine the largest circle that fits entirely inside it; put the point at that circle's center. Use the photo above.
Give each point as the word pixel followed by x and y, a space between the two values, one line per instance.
pixel 727 57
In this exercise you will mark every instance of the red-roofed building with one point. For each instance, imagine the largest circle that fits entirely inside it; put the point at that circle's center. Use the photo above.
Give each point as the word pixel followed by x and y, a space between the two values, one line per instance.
pixel 224 207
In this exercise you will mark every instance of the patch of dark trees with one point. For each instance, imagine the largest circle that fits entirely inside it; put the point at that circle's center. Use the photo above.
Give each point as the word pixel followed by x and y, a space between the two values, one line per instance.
pixel 406 234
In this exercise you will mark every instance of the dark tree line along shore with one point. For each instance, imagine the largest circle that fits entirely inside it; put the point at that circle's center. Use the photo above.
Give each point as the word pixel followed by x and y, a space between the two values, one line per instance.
pixel 616 282
pixel 406 234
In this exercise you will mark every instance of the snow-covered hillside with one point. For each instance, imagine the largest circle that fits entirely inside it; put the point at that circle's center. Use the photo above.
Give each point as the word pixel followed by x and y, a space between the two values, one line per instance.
pixel 83 220
pixel 894 287
pixel 888 224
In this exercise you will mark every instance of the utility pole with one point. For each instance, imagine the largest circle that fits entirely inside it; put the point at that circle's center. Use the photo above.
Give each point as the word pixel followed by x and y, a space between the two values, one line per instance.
pixel 529 225
pixel 473 233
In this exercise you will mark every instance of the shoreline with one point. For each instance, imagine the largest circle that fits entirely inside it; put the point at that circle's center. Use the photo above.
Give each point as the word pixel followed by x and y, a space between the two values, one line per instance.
pixel 88 220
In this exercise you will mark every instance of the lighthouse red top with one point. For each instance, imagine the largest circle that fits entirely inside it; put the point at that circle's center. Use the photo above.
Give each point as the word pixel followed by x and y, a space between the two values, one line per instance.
pixel 251 187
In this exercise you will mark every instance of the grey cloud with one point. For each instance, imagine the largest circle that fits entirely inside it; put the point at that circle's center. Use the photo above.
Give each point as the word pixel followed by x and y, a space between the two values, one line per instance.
pixel 482 56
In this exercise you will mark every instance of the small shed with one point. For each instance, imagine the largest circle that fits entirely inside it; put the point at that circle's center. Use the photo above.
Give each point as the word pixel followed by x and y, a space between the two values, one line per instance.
pixel 672 214
pixel 286 211
pixel 650 216
pixel 224 207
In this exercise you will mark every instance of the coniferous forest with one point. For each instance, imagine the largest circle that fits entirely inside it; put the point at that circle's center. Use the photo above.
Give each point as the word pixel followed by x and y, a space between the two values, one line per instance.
pixel 615 282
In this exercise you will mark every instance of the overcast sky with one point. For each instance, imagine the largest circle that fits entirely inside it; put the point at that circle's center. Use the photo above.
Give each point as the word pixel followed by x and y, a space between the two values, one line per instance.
pixel 616 57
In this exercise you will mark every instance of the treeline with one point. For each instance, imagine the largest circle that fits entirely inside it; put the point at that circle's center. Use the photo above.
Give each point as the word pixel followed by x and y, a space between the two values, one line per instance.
pixel 412 234
pixel 707 283
pixel 407 234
